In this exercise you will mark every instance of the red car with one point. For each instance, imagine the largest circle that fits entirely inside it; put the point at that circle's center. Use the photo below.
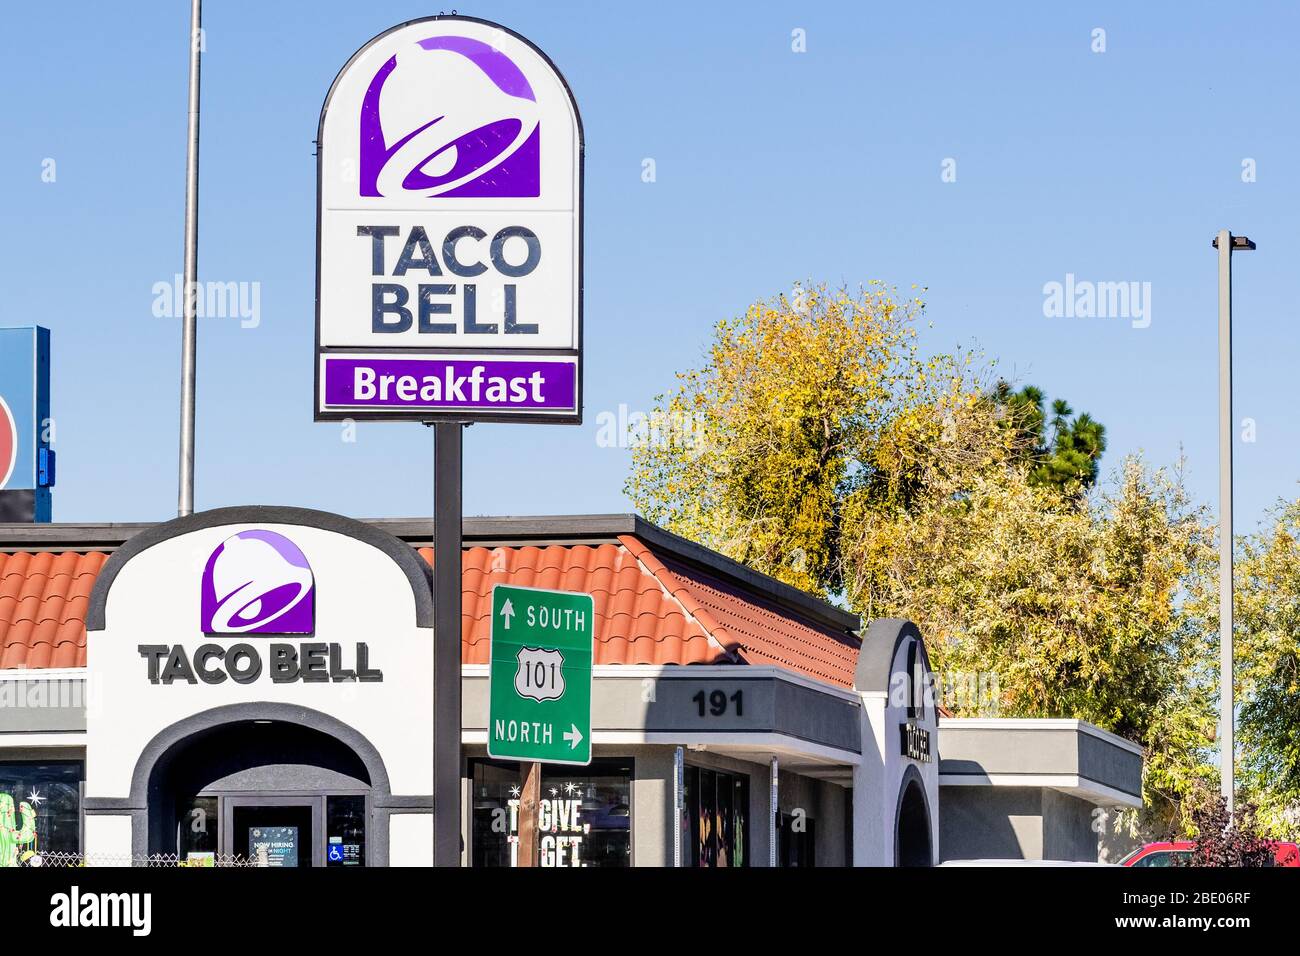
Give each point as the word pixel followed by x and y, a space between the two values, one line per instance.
pixel 1179 853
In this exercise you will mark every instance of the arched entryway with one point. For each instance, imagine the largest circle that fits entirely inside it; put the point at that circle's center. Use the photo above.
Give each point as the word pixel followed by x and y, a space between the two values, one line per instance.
pixel 912 845
pixel 280 785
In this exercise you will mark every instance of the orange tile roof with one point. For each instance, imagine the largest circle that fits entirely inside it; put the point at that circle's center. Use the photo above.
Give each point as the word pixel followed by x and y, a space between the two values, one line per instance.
pixel 758 630
pixel 637 620
pixel 43 600
pixel 649 609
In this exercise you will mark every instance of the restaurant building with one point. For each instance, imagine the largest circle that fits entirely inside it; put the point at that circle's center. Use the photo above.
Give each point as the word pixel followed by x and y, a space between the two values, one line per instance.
pixel 256 682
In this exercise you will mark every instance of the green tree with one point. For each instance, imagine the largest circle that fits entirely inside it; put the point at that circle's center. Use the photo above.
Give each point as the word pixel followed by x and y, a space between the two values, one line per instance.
pixel 825 451
pixel 1071 605
pixel 1266 657
pixel 1068 458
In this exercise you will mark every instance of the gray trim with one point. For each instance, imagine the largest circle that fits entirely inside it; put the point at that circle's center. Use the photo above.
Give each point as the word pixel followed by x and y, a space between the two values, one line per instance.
pixel 416 570
pixel 109 805
pixel 174 735
pixel 880 645
pixel 1032 780
pixel 39 705
pixel 756 704
pixel 55 536
pixel 422 803
pixel 1027 750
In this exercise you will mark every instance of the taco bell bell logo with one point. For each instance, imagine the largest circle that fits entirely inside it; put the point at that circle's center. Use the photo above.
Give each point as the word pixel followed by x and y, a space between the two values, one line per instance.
pixel 257 582
pixel 450 116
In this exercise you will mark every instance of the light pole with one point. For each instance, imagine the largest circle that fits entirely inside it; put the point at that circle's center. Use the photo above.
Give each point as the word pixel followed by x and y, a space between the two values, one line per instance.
pixel 1227 244
pixel 189 326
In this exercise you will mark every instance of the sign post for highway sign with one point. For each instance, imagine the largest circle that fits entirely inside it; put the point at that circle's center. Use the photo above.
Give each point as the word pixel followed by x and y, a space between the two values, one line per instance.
pixel 540 678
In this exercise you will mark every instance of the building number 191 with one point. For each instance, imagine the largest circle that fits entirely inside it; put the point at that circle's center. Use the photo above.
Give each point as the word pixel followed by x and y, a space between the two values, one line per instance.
pixel 715 704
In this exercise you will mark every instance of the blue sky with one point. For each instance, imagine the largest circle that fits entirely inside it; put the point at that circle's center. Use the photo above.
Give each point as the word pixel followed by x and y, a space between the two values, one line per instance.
pixel 772 166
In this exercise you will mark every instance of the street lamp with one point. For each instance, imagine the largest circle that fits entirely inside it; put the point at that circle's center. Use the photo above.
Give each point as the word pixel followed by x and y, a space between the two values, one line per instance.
pixel 1227 244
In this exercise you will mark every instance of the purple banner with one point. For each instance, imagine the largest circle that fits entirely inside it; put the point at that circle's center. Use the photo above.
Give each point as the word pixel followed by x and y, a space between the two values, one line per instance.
pixel 497 385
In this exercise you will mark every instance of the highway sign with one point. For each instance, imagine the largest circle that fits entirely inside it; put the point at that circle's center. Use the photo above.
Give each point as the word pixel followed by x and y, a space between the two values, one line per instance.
pixel 540 678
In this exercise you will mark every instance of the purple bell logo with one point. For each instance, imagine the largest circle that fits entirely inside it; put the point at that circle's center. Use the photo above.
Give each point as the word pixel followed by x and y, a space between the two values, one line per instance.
pixel 258 582
pixel 474 133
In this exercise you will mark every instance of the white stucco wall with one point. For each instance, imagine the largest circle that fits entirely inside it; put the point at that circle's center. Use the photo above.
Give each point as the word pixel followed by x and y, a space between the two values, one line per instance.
pixel 362 595
pixel 878 780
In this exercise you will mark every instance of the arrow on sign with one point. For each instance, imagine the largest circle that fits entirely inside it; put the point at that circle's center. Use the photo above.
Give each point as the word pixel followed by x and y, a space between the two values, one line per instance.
pixel 507 612
pixel 574 737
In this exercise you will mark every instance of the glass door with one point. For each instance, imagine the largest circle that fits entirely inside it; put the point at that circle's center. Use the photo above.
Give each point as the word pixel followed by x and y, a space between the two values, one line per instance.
pixel 274 831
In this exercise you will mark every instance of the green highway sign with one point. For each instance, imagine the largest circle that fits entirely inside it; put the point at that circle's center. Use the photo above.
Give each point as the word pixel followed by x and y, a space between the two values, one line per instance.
pixel 540 677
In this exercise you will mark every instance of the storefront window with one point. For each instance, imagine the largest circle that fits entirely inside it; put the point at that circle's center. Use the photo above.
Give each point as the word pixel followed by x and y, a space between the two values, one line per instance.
pixel 196 825
pixel 52 791
pixel 585 817
pixel 718 807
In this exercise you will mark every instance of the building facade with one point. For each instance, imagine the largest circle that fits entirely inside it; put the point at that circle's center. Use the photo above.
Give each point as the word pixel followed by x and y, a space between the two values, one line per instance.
pixel 256 683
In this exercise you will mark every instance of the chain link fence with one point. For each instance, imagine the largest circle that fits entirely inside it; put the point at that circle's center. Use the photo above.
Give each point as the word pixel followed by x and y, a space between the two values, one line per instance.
pixel 72 860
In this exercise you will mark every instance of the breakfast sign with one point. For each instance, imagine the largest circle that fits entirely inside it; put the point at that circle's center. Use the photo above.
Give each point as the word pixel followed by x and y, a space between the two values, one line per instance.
pixel 449 231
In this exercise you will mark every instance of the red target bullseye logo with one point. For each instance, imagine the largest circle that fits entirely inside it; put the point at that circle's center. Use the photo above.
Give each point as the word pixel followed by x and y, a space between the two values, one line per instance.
pixel 8 443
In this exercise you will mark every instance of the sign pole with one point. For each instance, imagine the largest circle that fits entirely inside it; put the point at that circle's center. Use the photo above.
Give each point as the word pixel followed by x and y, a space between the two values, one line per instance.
pixel 1226 243
pixel 774 816
pixel 189 329
pixel 679 802
pixel 530 797
pixel 447 511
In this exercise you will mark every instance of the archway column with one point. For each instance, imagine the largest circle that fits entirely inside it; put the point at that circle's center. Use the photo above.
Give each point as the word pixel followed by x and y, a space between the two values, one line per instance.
pixel 914 838
pixel 893 680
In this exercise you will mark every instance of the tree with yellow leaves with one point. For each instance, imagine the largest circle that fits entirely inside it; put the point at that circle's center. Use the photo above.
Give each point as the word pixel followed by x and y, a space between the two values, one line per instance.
pixel 792 394
pixel 828 452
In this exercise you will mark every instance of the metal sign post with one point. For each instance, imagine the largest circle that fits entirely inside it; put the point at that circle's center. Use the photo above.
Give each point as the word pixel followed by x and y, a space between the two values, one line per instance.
pixel 447 511
pixel 774 817
pixel 679 802
pixel 530 798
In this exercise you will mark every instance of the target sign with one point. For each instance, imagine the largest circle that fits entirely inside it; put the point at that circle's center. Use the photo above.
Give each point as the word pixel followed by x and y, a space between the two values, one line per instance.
pixel 8 443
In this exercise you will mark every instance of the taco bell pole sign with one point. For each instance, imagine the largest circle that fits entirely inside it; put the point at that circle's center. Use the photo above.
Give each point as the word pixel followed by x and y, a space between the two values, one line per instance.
pixel 449 246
